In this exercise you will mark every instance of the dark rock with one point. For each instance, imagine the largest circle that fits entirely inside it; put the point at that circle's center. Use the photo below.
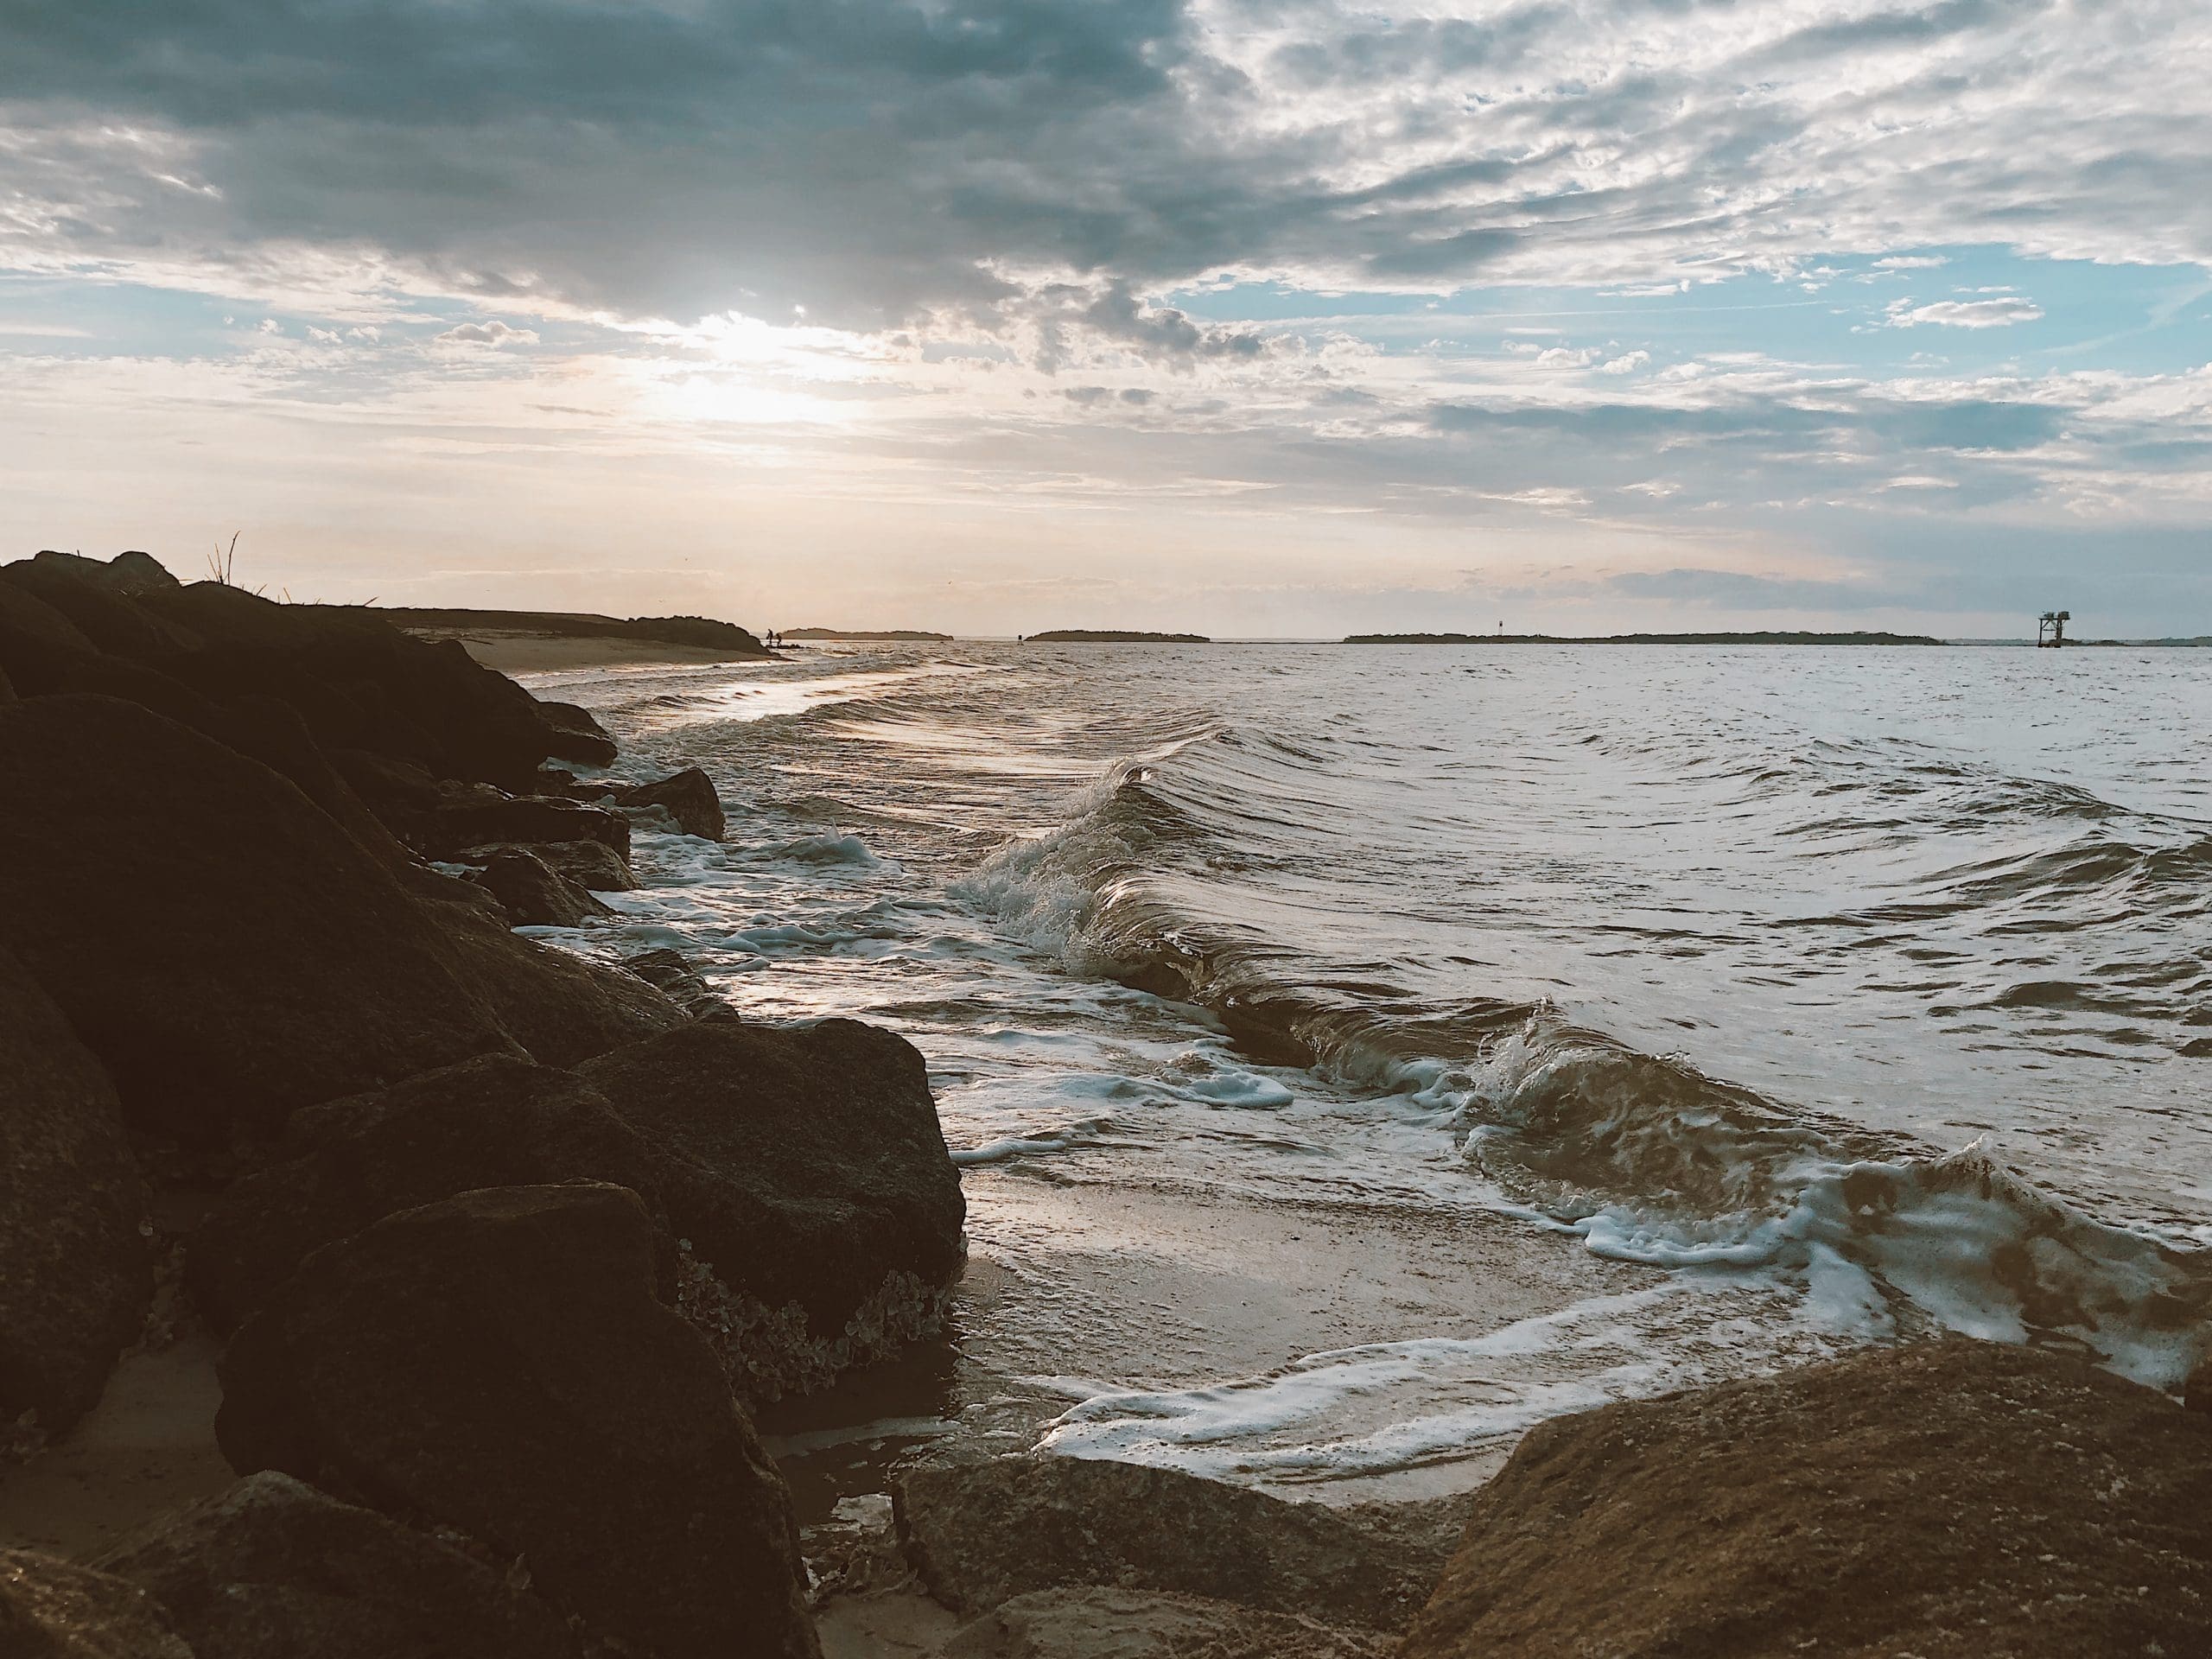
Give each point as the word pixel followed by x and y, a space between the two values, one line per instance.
pixel 460 821
pixel 493 1121
pixel 1135 1625
pixel 807 1168
pixel 688 797
pixel 577 734
pixel 2197 1392
pixel 74 1280
pixel 134 572
pixel 981 1534
pixel 263 960
pixel 386 781
pixel 126 573
pixel 498 1362
pixel 667 972
pixel 55 1610
pixel 1950 1500
pixel 535 896
pixel 83 591
pixel 6 688
pixel 274 1569
pixel 590 864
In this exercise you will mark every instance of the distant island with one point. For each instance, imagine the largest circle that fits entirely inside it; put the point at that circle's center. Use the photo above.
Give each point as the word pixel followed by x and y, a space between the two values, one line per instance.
pixel 1115 637
pixel 521 642
pixel 1767 638
pixel 923 635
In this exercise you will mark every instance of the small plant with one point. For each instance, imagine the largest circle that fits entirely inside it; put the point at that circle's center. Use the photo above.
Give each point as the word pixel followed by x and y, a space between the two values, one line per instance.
pixel 224 560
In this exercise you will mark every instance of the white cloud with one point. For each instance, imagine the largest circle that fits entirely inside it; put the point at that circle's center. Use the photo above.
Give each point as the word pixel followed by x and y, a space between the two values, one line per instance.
pixel 1626 364
pixel 493 332
pixel 1912 262
pixel 1964 313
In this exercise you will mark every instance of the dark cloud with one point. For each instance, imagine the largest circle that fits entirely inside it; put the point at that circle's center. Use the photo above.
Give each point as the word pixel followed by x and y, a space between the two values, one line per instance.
pixel 879 160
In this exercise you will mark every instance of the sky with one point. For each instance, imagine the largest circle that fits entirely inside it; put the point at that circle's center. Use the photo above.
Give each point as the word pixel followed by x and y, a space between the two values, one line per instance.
pixel 1283 318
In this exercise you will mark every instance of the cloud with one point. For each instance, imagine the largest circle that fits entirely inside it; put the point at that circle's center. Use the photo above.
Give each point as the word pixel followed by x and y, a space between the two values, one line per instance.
pixel 1964 313
pixel 885 162
pixel 493 332
pixel 1628 364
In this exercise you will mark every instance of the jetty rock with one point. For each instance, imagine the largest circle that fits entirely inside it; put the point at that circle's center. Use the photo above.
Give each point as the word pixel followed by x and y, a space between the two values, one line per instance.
pixel 533 893
pixel 1134 1624
pixel 805 1168
pixel 501 1362
pixel 230 953
pixel 1951 1500
pixel 274 1569
pixel 981 1534
pixel 592 865
pixel 355 680
pixel 74 1278
pixel 688 797
pixel 53 1609
pixel 498 1120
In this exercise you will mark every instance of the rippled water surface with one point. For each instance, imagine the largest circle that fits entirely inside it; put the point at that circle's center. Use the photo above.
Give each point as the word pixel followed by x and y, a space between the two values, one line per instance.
pixel 1872 986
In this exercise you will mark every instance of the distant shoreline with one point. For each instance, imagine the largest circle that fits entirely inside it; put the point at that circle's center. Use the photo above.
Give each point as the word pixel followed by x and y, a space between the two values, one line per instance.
pixel 530 642
pixel 1113 637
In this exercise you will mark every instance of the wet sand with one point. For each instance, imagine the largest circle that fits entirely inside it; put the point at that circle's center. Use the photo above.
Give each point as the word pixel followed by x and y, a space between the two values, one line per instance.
pixel 148 1448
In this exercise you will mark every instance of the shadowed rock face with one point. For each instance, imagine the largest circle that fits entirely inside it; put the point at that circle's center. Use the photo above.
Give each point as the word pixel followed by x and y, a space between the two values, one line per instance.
pixel 804 1165
pixel 592 865
pixel 499 1362
pixel 274 1569
pixel 688 797
pixel 52 1609
pixel 74 1280
pixel 535 896
pixel 231 953
pixel 1951 1500
pixel 500 1121
pixel 982 1534
pixel 1136 1625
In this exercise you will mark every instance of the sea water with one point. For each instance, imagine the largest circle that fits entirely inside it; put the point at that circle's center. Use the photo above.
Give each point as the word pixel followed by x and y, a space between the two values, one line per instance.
pixel 1860 993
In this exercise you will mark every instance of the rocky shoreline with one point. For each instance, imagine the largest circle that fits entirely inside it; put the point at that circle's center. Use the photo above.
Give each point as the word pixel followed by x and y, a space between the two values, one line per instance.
pixel 504 1249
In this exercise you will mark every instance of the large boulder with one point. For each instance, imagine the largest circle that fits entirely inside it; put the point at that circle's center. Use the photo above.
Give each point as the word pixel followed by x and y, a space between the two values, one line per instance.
pixel 535 896
pixel 247 955
pixel 592 865
pixel 356 681
pixel 462 819
pixel 55 1610
pixel 1135 1625
pixel 274 1569
pixel 688 797
pixel 577 734
pixel 499 1362
pixel 74 1279
pixel 498 1121
pixel 806 1167
pixel 1950 1500
pixel 982 1534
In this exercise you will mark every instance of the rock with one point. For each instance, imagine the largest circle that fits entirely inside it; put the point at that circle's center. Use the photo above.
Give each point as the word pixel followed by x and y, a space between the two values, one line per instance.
pixel 590 864
pixel 1133 1625
pixel 52 1609
pixel 807 1169
pixel 260 959
pixel 1949 1499
pixel 6 688
pixel 74 1279
pixel 667 972
pixel 577 734
pixel 498 1362
pixel 495 1122
pixel 126 573
pixel 2197 1392
pixel 459 821
pixel 981 1534
pixel 274 1569
pixel 535 896
pixel 688 797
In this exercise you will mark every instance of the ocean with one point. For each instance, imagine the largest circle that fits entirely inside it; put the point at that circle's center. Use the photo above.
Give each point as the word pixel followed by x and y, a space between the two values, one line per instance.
pixel 1771 1001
